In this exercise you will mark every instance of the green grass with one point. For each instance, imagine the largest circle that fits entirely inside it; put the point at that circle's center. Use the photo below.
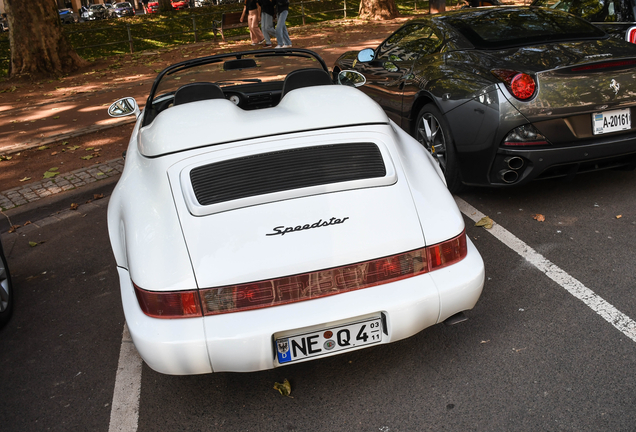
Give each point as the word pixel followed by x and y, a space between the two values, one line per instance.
pixel 108 38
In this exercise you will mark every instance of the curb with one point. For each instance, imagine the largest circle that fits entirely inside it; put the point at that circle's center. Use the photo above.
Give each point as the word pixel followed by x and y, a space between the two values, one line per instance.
pixel 22 196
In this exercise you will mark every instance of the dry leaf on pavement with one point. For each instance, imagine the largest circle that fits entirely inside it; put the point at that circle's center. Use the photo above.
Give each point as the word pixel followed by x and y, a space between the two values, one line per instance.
pixel 485 222
pixel 539 217
pixel 74 206
pixel 619 216
pixel 284 388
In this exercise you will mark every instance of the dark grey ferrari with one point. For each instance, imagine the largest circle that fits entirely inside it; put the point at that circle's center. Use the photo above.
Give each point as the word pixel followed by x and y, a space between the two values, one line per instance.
pixel 502 96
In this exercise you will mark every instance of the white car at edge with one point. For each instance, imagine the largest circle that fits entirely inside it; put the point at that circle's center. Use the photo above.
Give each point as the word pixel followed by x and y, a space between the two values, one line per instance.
pixel 266 216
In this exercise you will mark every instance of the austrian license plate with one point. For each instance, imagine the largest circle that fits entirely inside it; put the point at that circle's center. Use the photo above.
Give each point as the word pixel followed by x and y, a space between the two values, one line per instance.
pixel 322 342
pixel 611 121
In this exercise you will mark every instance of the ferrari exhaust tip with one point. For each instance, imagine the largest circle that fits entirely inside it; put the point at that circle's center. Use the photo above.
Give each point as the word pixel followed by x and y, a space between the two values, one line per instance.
pixel 514 162
pixel 508 176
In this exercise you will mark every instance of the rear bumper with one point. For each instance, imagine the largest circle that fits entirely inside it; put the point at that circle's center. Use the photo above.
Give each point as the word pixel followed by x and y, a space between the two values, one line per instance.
pixel 564 161
pixel 243 342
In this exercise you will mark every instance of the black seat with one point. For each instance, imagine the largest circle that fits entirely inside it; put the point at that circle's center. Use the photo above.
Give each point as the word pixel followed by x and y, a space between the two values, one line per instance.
pixel 197 91
pixel 305 78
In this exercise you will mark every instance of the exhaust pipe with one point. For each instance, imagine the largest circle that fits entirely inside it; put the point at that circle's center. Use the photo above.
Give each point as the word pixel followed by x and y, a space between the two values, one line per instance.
pixel 508 176
pixel 514 162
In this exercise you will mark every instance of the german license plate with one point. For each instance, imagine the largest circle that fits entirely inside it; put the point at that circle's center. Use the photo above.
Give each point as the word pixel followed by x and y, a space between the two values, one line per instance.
pixel 322 342
pixel 611 121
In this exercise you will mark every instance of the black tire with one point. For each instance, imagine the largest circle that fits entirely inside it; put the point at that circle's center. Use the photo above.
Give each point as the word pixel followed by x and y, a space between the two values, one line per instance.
pixel 6 290
pixel 433 133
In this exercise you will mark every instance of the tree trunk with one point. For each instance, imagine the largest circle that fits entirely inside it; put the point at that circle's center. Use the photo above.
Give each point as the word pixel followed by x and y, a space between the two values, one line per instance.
pixel 436 6
pixel 38 47
pixel 378 9
pixel 165 6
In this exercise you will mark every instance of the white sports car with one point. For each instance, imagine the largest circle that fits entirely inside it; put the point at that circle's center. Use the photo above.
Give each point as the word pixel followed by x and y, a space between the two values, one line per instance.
pixel 267 216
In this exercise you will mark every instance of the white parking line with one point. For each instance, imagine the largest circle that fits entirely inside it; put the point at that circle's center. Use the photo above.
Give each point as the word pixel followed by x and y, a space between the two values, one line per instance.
pixel 124 414
pixel 622 322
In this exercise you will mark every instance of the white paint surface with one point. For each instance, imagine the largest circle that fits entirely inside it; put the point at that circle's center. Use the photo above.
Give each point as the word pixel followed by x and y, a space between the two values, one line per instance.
pixel 124 414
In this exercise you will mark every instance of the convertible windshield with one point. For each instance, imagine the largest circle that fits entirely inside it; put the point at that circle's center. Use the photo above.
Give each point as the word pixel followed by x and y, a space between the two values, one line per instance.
pixel 234 70
pixel 510 27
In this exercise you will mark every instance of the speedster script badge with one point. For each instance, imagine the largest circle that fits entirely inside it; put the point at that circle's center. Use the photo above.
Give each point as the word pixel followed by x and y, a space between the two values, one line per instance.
pixel 282 230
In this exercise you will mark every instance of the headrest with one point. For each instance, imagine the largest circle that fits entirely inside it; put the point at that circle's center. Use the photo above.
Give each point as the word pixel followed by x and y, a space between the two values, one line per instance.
pixel 305 78
pixel 197 91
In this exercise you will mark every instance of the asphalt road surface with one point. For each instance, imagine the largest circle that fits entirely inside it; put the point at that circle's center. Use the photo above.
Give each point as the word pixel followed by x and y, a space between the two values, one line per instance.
pixel 532 356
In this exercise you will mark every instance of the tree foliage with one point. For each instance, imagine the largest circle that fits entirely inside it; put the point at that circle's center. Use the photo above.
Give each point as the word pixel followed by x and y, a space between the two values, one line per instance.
pixel 378 9
pixel 38 46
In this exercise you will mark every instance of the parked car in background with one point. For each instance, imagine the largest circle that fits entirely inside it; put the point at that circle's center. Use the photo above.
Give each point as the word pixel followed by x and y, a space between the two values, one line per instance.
pixel 122 9
pixel 67 16
pixel 501 96
pixel 615 17
pixel 151 7
pixel 180 4
pixel 6 289
pixel 355 239
pixel 96 12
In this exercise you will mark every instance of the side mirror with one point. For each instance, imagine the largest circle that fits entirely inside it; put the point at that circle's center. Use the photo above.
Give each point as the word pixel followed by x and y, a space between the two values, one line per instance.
pixel 351 78
pixel 124 107
pixel 366 55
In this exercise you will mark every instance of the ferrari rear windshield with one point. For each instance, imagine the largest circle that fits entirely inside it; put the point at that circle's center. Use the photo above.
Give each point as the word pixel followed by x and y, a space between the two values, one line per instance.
pixel 497 28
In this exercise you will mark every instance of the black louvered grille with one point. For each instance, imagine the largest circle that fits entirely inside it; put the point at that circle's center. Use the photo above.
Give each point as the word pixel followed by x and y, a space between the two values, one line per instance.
pixel 285 170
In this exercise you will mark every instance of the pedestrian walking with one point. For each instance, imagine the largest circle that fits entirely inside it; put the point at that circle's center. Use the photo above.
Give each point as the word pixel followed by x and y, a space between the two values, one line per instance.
pixel 282 36
pixel 253 10
pixel 268 10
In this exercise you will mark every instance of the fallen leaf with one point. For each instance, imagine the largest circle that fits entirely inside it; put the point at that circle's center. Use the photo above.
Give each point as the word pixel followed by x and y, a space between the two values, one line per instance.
pixel 88 148
pixel 4 157
pixel 27 223
pixel 74 206
pixel 284 388
pixel 619 216
pixel 32 244
pixel 485 222
pixel 89 157
pixel 25 179
pixel 53 154
pixel 73 148
pixel 98 196
pixel 538 217
pixel 56 117
pixel 13 228
pixel 44 147
pixel 52 172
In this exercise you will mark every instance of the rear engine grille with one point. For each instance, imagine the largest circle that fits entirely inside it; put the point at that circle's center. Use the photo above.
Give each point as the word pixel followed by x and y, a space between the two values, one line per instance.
pixel 285 170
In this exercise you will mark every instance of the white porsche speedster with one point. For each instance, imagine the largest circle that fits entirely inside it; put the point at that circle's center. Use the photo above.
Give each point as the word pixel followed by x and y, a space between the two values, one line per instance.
pixel 267 216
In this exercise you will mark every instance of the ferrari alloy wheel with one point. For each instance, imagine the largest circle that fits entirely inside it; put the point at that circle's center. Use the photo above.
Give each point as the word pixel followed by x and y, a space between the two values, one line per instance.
pixel 431 131
pixel 6 297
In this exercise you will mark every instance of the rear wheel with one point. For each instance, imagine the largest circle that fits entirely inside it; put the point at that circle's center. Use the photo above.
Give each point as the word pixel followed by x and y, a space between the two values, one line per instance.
pixel 433 133
pixel 6 294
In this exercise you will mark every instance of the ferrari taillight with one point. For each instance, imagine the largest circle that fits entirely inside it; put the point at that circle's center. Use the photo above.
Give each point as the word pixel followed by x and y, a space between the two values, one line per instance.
pixel 323 283
pixel 521 85
pixel 630 36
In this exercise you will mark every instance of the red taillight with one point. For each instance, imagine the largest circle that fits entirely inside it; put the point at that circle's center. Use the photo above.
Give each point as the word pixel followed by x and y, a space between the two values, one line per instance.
pixel 179 304
pixel 630 36
pixel 308 286
pixel 520 84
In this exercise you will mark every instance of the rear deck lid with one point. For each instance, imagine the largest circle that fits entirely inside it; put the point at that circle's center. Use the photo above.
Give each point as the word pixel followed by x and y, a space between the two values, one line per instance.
pixel 281 207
